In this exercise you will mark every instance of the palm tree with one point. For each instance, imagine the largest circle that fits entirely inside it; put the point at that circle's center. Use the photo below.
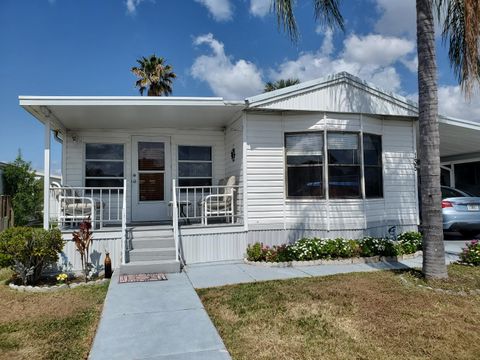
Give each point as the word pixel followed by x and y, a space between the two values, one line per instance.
pixel 280 84
pixel 461 27
pixel 153 75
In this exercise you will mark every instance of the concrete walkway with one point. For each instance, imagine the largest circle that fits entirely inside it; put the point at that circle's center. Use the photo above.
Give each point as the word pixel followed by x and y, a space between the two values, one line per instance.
pixel 166 320
pixel 156 320
pixel 215 274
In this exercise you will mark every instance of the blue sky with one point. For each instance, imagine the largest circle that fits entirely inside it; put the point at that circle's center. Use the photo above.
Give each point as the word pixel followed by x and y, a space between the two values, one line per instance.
pixel 223 48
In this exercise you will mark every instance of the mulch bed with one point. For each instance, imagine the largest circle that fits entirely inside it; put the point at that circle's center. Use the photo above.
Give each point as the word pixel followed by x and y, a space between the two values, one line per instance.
pixel 123 279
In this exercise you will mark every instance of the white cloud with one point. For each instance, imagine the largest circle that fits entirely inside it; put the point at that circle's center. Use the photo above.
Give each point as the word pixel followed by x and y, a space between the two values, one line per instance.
pixel 370 57
pixel 132 5
pixel 376 49
pixel 398 17
pixel 452 102
pixel 221 10
pixel 260 8
pixel 226 77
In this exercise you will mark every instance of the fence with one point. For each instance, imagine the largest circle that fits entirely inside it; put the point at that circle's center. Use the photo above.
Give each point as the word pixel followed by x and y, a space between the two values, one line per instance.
pixel 6 212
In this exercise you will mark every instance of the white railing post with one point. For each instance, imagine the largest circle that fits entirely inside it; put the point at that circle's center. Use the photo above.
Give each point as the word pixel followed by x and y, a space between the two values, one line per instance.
pixel 124 221
pixel 175 216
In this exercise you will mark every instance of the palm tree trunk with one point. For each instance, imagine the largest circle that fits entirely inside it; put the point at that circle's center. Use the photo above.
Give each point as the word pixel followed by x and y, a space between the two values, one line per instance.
pixel 433 247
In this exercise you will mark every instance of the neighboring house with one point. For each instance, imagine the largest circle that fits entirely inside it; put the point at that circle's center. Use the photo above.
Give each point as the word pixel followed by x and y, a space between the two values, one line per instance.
pixel 327 158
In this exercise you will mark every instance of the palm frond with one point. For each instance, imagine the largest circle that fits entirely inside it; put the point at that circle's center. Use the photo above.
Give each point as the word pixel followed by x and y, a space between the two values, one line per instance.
pixel 461 31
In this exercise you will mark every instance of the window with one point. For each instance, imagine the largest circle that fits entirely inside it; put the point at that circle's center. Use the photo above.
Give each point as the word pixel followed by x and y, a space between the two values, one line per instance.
pixel 304 152
pixel 104 165
pixel 343 165
pixel 372 159
pixel 194 165
pixel 467 177
pixel 305 165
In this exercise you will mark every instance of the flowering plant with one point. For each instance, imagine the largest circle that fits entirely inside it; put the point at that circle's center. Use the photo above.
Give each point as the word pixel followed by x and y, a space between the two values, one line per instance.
pixel 471 254
pixel 62 278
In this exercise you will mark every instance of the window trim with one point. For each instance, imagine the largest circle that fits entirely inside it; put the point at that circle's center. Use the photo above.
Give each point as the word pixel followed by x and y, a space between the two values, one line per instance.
pixel 324 189
pixel 326 164
pixel 85 160
pixel 195 161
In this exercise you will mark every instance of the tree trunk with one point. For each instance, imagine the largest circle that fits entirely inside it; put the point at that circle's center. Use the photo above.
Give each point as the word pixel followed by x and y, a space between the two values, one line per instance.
pixel 433 247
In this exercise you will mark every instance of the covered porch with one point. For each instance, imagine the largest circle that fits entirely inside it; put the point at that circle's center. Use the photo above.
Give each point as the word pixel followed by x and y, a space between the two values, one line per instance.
pixel 171 164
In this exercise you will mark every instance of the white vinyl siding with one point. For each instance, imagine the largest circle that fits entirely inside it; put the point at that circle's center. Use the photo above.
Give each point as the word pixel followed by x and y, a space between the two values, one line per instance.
pixel 268 207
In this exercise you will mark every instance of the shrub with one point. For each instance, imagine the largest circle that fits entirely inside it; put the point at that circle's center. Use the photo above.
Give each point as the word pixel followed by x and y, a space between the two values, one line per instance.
pixel 26 191
pixel 411 241
pixel 471 254
pixel 254 252
pixel 29 250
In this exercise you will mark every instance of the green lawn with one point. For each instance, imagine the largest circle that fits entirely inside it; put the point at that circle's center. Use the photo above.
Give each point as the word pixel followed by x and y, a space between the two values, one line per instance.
pixel 58 325
pixel 351 316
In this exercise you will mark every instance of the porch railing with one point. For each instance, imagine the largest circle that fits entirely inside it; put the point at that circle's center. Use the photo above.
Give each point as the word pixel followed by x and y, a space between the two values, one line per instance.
pixel 207 205
pixel 71 205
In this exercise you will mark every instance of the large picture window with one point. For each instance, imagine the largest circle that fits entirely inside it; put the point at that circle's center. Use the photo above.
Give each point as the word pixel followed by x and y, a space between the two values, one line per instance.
pixel 194 165
pixel 343 165
pixel 372 160
pixel 304 152
pixel 305 162
pixel 104 165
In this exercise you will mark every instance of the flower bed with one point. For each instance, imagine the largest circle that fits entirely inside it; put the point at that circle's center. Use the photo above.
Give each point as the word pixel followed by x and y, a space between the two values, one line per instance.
pixel 29 288
pixel 314 251
pixel 471 254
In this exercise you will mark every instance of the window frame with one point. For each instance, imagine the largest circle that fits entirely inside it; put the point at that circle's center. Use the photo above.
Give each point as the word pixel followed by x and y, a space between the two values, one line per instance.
pixel 179 178
pixel 326 164
pixel 324 189
pixel 86 160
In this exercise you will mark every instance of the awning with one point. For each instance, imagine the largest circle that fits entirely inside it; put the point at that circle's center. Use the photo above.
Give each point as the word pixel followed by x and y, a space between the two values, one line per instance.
pixel 127 112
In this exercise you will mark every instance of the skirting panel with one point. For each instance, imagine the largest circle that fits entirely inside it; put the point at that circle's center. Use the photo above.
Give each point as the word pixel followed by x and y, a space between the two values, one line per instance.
pixel 70 258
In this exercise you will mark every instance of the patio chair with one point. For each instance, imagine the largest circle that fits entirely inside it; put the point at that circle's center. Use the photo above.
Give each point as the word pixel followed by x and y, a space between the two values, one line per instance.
pixel 220 204
pixel 75 208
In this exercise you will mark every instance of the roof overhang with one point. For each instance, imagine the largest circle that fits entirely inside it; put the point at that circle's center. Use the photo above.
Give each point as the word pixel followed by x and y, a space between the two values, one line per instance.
pixel 126 112
pixel 458 137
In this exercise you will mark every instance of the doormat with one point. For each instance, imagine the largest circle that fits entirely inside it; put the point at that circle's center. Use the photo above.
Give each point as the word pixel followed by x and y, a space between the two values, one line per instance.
pixel 123 279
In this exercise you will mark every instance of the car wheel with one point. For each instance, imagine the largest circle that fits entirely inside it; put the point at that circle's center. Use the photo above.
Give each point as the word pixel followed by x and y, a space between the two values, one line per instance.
pixel 469 234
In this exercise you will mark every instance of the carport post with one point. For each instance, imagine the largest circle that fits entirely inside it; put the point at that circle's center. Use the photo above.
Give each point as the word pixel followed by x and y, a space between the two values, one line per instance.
pixel 46 176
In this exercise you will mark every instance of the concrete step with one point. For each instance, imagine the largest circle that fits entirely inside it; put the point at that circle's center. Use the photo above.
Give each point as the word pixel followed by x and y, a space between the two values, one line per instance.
pixel 153 242
pixel 143 233
pixel 148 267
pixel 152 254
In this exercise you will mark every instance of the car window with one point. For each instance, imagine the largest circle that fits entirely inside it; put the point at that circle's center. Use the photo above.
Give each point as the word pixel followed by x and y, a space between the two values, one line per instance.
pixel 448 193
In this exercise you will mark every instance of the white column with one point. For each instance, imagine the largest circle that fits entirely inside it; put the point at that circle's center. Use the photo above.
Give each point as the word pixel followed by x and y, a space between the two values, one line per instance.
pixel 46 177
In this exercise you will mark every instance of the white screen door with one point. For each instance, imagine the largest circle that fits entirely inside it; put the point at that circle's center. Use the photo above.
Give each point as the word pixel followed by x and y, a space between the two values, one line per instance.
pixel 150 178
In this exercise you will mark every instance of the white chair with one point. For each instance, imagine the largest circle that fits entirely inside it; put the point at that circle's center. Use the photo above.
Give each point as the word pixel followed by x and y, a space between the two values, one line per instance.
pixel 74 207
pixel 220 204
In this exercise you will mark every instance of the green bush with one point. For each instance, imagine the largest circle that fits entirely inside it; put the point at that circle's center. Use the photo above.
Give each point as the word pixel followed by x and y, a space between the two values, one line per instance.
pixel 307 249
pixel 26 191
pixel 411 241
pixel 28 251
pixel 471 254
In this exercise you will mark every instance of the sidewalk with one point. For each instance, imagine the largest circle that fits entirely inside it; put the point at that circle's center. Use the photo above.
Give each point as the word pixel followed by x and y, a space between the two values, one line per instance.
pixel 156 320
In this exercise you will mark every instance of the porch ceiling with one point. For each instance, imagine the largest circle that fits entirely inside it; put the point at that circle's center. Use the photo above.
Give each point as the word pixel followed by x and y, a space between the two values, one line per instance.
pixel 73 112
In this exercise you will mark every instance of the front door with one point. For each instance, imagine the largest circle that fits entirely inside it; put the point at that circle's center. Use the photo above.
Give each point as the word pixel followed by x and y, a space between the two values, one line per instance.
pixel 150 178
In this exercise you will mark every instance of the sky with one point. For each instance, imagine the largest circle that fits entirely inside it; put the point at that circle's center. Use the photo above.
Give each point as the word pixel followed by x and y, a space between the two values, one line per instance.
pixel 226 48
